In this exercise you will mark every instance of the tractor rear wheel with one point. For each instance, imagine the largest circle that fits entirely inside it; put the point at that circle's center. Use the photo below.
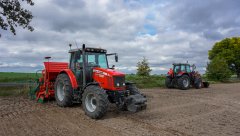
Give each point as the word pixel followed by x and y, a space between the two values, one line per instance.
pixel 95 102
pixel 168 82
pixel 63 90
pixel 198 83
pixel 184 82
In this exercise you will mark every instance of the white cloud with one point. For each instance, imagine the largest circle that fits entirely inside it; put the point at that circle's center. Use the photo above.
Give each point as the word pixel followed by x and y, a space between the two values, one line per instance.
pixel 183 31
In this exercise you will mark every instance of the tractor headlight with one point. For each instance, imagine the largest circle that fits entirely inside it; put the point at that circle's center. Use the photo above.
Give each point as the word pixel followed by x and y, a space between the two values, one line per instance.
pixel 118 84
pixel 123 84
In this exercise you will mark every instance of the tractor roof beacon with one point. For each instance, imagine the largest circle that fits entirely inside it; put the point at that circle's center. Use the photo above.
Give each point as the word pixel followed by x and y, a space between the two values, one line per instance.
pixel 87 79
pixel 182 76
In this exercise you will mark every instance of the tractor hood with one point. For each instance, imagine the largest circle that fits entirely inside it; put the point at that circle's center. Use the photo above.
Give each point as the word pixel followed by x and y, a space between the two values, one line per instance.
pixel 108 72
pixel 109 79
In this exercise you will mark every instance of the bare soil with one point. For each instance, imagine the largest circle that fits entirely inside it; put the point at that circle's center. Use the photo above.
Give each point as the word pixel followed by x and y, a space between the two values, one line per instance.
pixel 210 111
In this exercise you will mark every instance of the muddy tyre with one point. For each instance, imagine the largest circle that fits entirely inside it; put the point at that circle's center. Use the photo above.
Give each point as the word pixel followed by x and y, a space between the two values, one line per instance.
pixel 183 82
pixel 198 83
pixel 63 90
pixel 95 102
pixel 168 82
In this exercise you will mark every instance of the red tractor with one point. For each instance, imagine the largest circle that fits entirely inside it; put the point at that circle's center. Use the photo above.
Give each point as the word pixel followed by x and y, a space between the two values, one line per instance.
pixel 87 79
pixel 182 77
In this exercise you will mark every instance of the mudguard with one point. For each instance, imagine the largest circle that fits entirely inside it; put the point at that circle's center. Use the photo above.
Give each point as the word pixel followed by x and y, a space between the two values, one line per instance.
pixel 71 77
pixel 92 83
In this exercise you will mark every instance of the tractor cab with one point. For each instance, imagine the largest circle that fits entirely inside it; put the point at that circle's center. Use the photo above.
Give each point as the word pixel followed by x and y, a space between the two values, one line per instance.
pixel 94 57
pixel 82 62
pixel 180 68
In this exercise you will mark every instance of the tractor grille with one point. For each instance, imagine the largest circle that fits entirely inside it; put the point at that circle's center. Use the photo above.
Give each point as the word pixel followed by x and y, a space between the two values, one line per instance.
pixel 119 81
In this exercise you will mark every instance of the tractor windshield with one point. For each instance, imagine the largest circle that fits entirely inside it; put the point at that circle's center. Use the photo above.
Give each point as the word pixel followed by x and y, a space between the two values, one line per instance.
pixel 177 69
pixel 97 59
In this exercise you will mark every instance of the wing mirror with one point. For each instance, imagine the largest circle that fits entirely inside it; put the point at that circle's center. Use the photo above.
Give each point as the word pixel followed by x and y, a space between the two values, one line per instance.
pixel 194 67
pixel 116 57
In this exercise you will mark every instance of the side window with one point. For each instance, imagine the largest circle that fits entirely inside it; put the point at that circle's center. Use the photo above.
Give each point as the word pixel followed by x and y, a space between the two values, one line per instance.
pixel 188 69
pixel 75 57
pixel 80 60
pixel 72 60
pixel 183 68
pixel 102 61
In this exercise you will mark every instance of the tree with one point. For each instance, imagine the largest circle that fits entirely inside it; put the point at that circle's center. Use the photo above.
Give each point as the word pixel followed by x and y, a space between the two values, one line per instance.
pixel 143 68
pixel 218 70
pixel 229 50
pixel 12 15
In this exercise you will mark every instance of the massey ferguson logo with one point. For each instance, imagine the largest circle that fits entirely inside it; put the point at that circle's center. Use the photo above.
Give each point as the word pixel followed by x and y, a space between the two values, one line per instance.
pixel 100 73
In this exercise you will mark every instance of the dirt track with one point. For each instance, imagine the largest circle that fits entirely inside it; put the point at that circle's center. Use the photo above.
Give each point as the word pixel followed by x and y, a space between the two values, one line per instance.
pixel 213 111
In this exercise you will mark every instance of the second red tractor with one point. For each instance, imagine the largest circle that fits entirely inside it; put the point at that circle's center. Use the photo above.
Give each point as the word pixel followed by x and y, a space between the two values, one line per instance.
pixel 181 76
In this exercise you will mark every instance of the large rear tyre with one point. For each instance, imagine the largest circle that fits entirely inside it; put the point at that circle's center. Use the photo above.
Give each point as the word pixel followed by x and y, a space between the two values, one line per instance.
pixel 63 90
pixel 198 83
pixel 184 82
pixel 168 82
pixel 95 102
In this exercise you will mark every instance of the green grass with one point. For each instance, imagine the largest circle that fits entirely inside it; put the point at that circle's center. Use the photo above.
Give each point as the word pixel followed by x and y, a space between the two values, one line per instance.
pixel 16 77
pixel 13 91
pixel 147 82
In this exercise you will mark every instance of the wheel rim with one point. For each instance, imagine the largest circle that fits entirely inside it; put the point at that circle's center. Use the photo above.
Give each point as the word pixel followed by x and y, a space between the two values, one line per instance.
pixel 185 82
pixel 91 102
pixel 60 91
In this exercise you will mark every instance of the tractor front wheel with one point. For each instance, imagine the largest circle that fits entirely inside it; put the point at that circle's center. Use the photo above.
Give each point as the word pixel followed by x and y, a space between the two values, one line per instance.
pixel 95 102
pixel 198 83
pixel 63 90
pixel 184 82
pixel 168 82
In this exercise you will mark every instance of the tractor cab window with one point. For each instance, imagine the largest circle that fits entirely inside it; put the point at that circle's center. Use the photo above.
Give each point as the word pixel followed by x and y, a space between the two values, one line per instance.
pixel 188 69
pixel 176 69
pixel 74 58
pixel 183 68
pixel 97 59
pixel 102 61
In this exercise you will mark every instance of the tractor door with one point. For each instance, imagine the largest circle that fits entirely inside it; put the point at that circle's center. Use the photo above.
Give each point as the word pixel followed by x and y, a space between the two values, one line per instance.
pixel 76 65
pixel 94 59
pixel 176 69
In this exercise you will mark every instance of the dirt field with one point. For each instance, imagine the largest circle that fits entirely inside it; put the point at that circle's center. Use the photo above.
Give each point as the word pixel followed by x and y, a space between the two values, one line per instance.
pixel 214 111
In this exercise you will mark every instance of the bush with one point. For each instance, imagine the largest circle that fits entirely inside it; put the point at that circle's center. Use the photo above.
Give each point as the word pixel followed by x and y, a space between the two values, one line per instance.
pixel 217 70
pixel 143 68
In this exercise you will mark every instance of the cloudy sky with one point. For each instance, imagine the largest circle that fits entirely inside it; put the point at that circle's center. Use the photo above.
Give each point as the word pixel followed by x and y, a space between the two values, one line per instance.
pixel 164 31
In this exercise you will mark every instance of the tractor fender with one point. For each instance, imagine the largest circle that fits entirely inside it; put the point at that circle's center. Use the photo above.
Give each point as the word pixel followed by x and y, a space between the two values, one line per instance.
pixel 71 77
pixel 92 83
